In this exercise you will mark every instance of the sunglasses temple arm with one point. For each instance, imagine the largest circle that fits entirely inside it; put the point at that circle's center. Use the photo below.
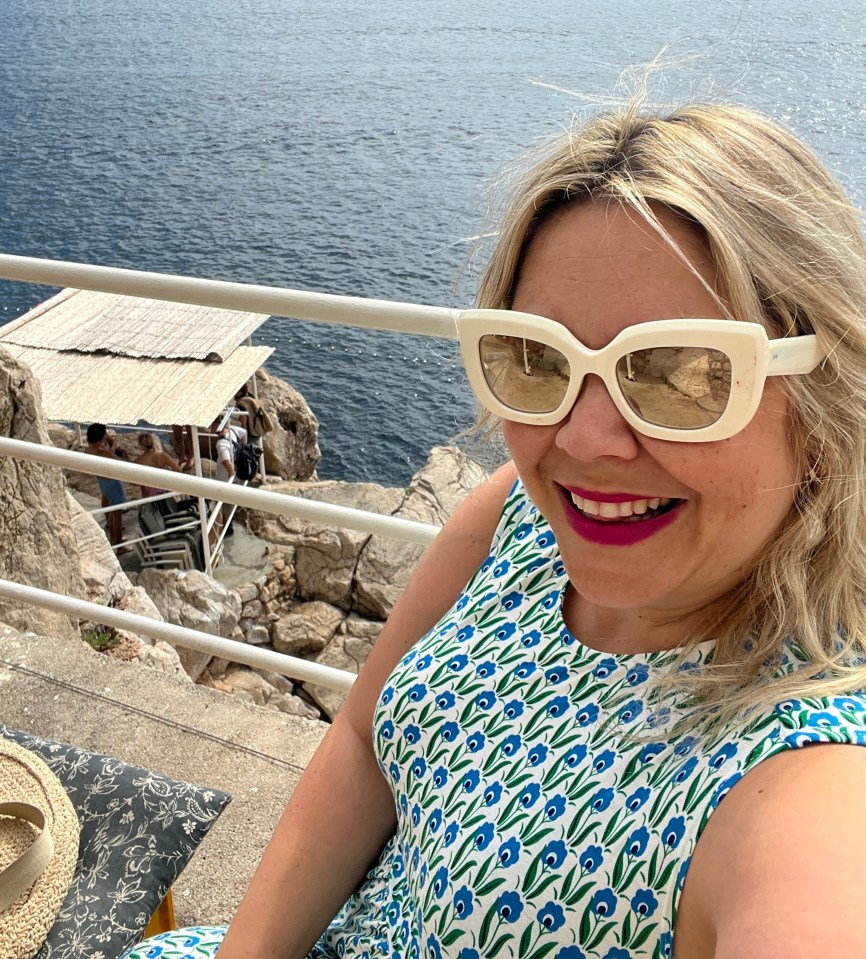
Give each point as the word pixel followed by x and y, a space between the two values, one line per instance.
pixel 794 354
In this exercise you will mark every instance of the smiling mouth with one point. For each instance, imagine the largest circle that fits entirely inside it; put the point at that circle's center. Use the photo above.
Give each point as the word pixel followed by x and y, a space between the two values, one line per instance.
pixel 630 511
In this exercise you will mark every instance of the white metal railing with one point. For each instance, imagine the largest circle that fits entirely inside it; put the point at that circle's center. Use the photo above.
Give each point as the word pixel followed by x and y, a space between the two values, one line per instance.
pixel 275 301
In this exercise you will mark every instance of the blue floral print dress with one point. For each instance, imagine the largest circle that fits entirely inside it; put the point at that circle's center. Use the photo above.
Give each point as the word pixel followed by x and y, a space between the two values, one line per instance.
pixel 542 811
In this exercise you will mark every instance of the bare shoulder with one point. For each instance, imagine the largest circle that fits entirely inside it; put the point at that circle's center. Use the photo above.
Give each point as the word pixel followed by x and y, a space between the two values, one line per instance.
pixel 446 567
pixel 777 871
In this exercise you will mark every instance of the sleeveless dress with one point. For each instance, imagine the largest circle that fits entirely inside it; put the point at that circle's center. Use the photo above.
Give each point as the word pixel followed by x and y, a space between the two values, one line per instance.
pixel 543 807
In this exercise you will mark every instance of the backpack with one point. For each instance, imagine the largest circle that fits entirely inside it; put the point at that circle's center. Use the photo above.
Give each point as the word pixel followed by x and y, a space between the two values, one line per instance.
pixel 246 460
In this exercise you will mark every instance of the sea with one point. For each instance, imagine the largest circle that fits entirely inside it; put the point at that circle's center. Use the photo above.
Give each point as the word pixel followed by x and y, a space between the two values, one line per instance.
pixel 356 147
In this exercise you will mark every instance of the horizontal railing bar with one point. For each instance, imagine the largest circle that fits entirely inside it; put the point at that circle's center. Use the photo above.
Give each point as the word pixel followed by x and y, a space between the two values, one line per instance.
pixel 247 297
pixel 291 666
pixel 252 498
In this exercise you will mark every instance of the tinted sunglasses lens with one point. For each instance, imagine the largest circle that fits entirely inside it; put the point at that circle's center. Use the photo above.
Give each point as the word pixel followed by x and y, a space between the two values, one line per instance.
pixel 525 375
pixel 684 388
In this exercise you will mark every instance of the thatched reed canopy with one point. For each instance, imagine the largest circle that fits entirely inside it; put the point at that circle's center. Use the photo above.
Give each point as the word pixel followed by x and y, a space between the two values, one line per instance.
pixel 94 366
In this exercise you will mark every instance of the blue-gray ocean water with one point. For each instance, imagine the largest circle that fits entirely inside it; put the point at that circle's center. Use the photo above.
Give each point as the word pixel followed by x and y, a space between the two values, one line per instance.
pixel 345 146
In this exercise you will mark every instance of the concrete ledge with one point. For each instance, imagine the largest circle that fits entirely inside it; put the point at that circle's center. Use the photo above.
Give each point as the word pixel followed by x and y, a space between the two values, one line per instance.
pixel 64 690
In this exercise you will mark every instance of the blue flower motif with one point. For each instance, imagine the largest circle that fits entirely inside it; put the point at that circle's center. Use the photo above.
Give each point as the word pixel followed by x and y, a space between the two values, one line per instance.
pixel 674 832
pixel 554 853
pixel 513 709
pixel 556 674
pixel 449 731
pixel 545 539
pixel 551 916
pixel 728 751
pixel 558 705
pixel 637 674
pixel 484 836
pixel 637 798
pixel 529 796
pixel 463 602
pixel 458 662
pixel 650 751
pixel 616 953
pixel 555 807
pixel 575 756
pixel 463 906
pixel 644 902
pixel 726 787
pixel 566 638
pixel 524 670
pixel 601 799
pixel 452 831
pixel 424 661
pixel 637 841
pixel 485 669
pixel 590 858
pixel 666 945
pixel 604 902
pixel 393 912
pixel 394 772
pixel 687 768
pixel 604 760
pixel 511 744
pixel 659 718
pixel 417 692
pixel 471 780
pixel 386 730
pixel 433 949
pixel 475 742
pixel 445 700
pixel 411 734
pixel 509 906
pixel 464 633
pixel 416 814
pixel 849 704
pixel 505 631
pixel 522 531
pixel 387 695
pixel 588 715
pixel 570 952
pixel 512 600
pixel 440 776
pixel 435 820
pixel 605 668
pixel 550 600
pixel 419 767
pixel 530 639
pixel 492 793
pixel 631 711
pixel 537 754
pixel 501 568
pixel 487 563
pixel 537 563
pixel 825 720
pixel 685 746
pixel 486 699
pixel 440 882
pixel 509 852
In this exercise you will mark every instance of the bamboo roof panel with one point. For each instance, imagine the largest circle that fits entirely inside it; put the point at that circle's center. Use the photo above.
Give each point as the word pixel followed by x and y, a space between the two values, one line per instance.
pixel 100 388
pixel 92 322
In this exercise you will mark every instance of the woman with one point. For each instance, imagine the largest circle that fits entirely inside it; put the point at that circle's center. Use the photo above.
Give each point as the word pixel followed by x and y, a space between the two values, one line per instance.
pixel 646 612
pixel 153 455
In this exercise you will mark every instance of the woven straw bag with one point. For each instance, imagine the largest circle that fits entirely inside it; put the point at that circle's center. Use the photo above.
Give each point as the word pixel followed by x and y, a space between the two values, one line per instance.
pixel 38 850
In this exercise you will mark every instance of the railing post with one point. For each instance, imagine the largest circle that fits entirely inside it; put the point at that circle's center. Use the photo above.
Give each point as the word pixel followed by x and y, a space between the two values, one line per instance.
pixel 202 505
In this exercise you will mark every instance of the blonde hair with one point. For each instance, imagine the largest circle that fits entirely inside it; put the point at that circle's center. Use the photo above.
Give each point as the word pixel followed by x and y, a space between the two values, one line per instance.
pixel 789 252
pixel 149 441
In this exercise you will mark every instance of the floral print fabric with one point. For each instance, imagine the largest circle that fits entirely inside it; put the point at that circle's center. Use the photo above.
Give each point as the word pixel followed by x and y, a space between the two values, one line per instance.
pixel 544 808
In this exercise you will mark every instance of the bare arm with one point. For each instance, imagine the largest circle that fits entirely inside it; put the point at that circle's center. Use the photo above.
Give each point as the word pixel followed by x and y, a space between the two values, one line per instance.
pixel 342 811
pixel 777 871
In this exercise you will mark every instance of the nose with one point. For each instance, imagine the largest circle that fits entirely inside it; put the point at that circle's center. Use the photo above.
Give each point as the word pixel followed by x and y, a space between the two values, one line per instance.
pixel 594 427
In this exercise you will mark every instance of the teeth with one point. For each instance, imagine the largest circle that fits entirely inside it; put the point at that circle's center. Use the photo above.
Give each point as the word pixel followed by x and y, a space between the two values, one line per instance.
pixel 618 510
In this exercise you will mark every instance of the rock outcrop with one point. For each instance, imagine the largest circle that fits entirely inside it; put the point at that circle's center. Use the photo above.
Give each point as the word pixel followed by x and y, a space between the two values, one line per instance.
pixel 292 446
pixel 37 541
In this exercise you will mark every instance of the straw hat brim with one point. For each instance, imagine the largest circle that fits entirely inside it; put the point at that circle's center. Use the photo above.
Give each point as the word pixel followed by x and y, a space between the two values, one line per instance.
pixel 24 777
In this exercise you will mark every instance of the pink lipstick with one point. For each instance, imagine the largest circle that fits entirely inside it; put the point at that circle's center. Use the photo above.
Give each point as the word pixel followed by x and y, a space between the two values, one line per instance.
pixel 613 532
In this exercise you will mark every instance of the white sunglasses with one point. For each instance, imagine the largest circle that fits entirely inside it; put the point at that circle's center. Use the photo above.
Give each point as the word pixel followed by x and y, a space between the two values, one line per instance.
pixel 692 381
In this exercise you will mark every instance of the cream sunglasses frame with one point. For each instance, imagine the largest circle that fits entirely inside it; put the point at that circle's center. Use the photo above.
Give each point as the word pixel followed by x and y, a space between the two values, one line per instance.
pixel 753 355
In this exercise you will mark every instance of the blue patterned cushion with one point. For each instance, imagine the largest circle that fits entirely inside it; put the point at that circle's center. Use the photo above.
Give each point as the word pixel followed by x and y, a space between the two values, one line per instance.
pixel 138 832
